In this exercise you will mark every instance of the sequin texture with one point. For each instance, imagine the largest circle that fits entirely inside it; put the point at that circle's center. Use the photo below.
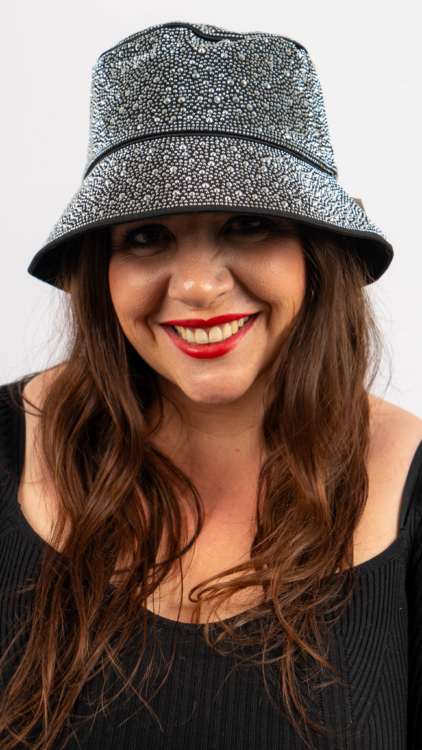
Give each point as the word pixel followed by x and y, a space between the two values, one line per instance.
pixel 194 116
pixel 258 65
pixel 145 177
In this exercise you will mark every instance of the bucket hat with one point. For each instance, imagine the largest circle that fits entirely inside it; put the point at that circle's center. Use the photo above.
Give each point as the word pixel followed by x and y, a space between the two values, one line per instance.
pixel 194 118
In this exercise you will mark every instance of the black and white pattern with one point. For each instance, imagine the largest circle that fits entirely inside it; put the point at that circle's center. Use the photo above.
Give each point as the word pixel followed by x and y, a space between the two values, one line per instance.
pixel 193 117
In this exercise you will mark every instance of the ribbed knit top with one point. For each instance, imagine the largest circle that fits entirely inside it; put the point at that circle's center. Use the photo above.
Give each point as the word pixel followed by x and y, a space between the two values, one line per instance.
pixel 212 702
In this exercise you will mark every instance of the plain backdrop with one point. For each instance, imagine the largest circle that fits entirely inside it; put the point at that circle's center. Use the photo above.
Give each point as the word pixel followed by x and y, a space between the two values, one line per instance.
pixel 367 55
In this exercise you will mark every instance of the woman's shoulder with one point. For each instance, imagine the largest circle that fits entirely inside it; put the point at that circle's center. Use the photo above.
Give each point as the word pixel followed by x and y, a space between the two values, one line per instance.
pixel 34 383
pixel 35 387
pixel 22 396
pixel 10 408
pixel 11 436
pixel 395 435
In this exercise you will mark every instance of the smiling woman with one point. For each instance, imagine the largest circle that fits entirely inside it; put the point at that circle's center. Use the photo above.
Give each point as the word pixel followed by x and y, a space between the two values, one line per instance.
pixel 211 530
pixel 237 266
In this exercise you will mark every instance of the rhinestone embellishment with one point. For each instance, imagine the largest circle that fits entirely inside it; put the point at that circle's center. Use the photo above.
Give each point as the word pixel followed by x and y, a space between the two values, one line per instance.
pixel 181 122
pixel 273 181
pixel 274 72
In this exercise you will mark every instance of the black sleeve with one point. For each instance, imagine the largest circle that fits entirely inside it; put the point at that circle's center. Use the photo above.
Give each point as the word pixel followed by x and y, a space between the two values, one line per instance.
pixel 12 443
pixel 8 436
pixel 414 598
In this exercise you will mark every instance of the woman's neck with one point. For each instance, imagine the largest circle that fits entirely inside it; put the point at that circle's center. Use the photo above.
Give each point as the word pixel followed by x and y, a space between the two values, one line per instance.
pixel 219 446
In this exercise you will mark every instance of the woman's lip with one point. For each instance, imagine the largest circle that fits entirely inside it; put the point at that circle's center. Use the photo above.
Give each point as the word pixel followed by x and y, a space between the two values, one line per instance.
pixel 210 351
pixel 198 323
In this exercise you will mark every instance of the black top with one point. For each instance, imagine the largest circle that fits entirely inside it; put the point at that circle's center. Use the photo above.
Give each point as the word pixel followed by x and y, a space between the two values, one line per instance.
pixel 205 703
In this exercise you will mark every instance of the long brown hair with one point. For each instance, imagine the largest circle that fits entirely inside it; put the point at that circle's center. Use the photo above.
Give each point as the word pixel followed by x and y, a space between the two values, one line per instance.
pixel 95 440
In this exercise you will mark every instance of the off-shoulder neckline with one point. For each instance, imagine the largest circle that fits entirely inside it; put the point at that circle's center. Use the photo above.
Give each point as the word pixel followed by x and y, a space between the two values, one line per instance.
pixel 393 551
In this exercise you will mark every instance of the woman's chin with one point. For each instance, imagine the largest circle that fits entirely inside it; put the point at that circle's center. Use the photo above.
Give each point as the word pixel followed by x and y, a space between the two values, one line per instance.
pixel 214 393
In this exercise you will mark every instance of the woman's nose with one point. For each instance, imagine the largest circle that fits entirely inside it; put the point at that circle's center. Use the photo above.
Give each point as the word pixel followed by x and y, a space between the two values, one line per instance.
pixel 199 277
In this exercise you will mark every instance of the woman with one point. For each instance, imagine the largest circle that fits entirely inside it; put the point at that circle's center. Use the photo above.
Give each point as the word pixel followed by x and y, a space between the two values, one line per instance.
pixel 211 529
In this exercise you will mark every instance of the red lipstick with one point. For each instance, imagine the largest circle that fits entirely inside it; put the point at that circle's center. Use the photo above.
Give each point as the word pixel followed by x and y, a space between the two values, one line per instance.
pixel 210 351
pixel 199 323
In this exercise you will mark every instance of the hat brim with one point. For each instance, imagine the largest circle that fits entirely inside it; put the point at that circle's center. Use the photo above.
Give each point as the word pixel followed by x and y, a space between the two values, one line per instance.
pixel 206 173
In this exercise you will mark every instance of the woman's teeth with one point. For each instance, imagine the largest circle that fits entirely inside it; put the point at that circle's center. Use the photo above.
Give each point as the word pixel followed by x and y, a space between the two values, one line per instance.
pixel 216 333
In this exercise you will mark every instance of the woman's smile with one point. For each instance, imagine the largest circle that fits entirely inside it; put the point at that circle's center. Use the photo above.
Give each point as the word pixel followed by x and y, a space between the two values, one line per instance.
pixel 207 299
pixel 210 342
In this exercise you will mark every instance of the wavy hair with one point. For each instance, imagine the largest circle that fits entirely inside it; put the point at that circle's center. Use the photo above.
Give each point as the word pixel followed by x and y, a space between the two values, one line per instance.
pixel 95 440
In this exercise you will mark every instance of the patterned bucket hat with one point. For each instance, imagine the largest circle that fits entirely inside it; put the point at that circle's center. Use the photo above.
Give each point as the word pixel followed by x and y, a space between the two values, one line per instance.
pixel 192 118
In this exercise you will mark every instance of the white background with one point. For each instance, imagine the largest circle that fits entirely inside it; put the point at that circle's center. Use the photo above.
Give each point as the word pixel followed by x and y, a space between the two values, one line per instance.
pixel 367 55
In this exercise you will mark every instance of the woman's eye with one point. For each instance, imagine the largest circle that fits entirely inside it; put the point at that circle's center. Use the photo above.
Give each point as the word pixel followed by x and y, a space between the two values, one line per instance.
pixel 250 225
pixel 143 236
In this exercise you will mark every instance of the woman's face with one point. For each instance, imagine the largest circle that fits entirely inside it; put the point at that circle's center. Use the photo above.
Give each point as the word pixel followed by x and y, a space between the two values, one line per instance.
pixel 189 269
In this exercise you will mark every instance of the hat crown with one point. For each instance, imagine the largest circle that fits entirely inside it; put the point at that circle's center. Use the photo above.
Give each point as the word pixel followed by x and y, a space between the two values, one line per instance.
pixel 181 78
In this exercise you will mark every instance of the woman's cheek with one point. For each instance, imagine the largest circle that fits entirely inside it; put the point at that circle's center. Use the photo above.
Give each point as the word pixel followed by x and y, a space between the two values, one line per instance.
pixel 280 280
pixel 135 292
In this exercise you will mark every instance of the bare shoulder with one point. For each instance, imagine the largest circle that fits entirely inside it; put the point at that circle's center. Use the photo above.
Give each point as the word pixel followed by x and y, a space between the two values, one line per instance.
pixel 395 433
pixel 394 437
pixel 36 389
pixel 35 494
